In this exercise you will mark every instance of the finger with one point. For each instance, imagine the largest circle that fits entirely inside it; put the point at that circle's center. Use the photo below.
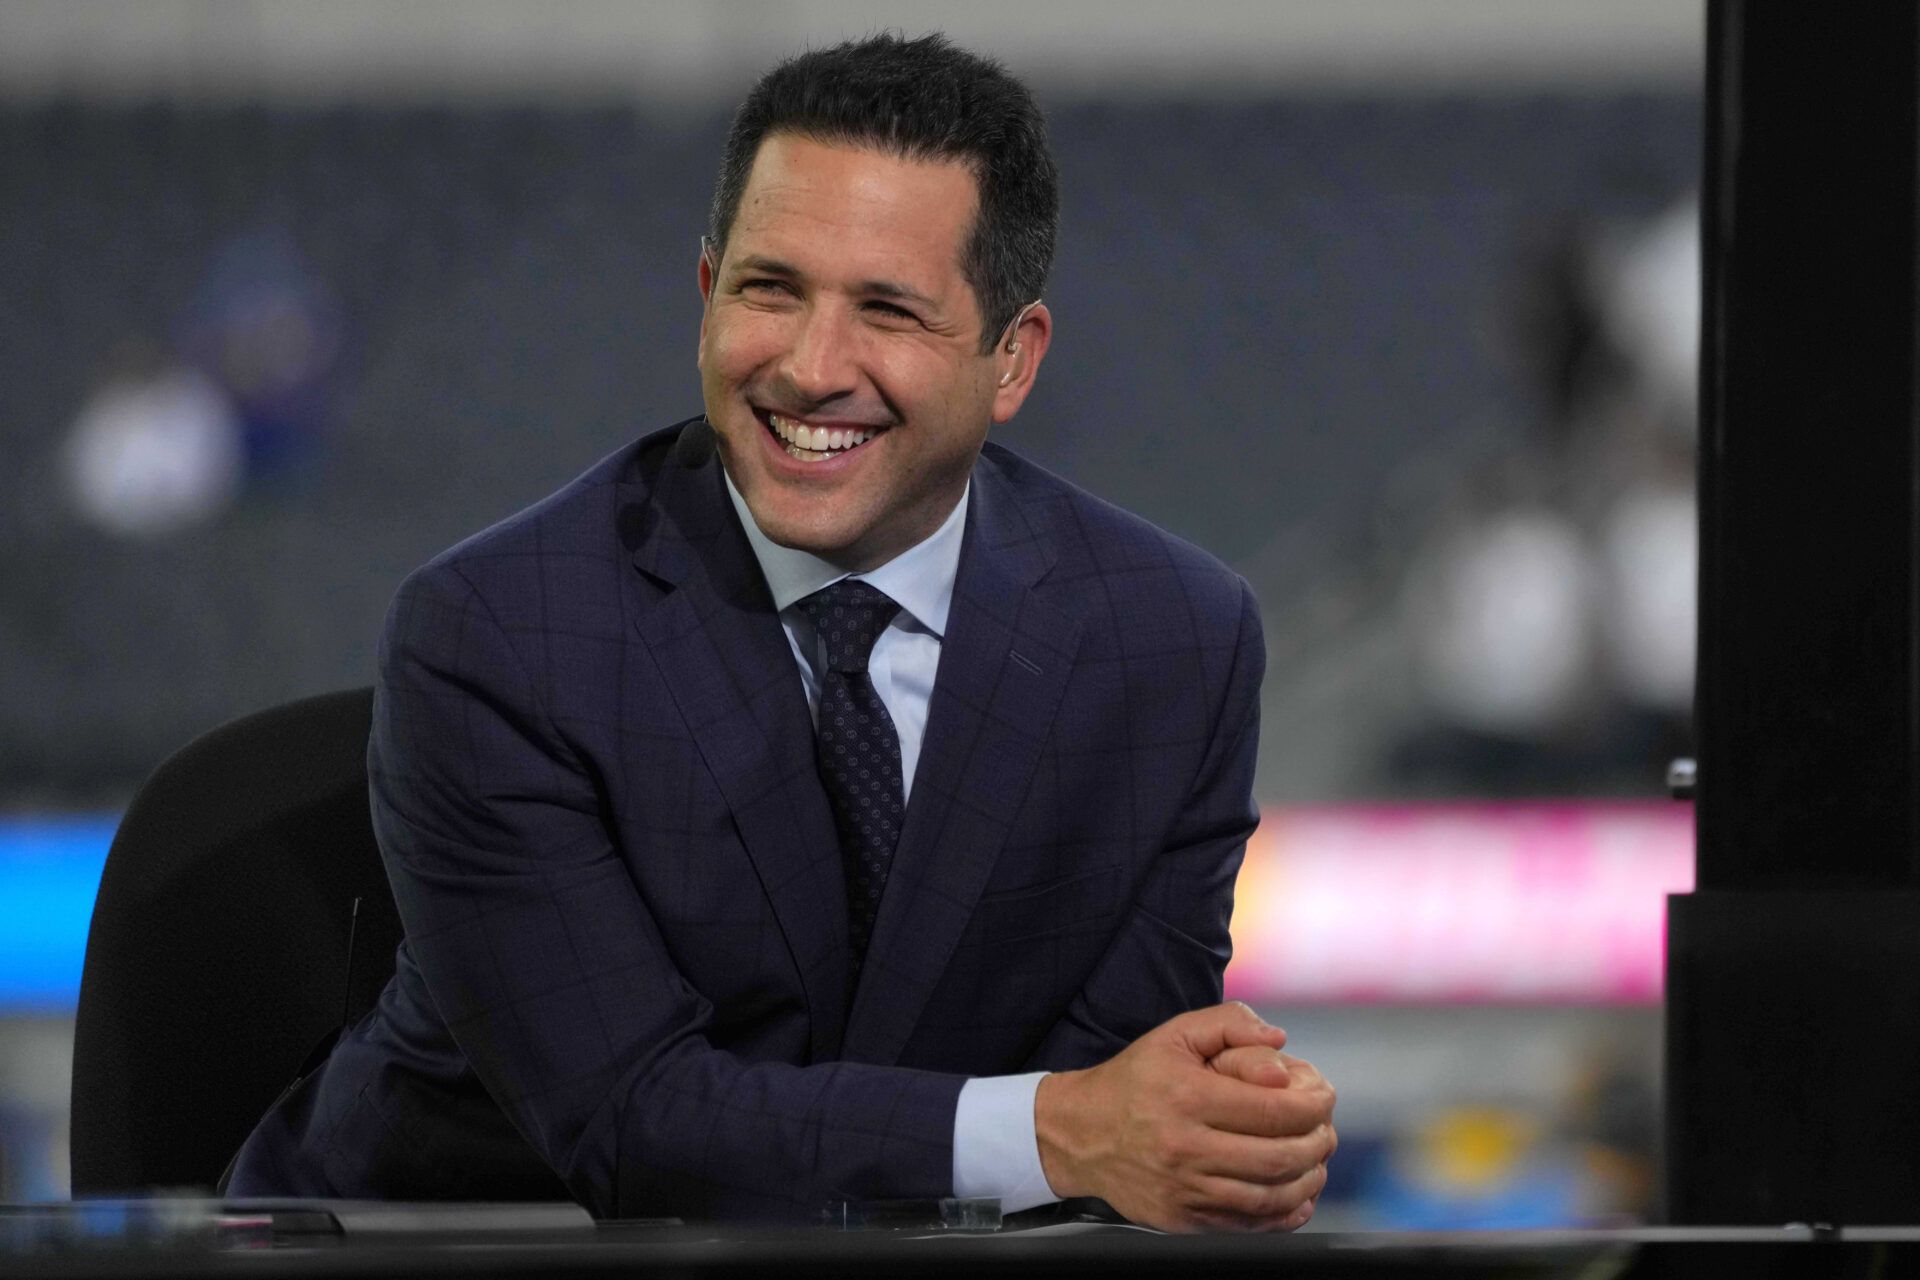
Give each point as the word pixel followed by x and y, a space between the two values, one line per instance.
pixel 1222 1222
pixel 1267 1161
pixel 1234 1106
pixel 1306 1076
pixel 1304 1071
pixel 1206 1032
pixel 1260 1206
pixel 1255 1064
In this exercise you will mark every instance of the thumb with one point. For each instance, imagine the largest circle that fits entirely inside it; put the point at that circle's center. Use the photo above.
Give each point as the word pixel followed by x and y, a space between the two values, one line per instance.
pixel 1205 1032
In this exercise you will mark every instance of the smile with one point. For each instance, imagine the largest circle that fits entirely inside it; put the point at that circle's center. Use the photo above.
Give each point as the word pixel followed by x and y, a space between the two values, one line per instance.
pixel 811 443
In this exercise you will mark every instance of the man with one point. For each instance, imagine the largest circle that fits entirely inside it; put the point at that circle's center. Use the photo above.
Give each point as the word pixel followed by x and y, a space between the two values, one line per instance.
pixel 813 802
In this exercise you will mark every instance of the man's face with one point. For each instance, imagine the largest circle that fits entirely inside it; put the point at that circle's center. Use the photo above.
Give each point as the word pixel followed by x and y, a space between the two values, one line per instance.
pixel 840 351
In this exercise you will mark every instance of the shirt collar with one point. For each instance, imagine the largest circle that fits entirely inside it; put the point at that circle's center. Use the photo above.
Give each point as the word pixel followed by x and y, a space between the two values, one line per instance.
pixel 919 579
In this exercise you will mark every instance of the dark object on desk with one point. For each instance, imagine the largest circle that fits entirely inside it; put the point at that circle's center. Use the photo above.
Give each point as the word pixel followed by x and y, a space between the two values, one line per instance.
pixel 297 1221
pixel 949 1213
pixel 219 945
pixel 155 1227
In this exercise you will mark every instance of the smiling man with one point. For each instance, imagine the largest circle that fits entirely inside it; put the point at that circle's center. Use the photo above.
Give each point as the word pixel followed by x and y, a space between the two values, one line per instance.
pixel 841 354
pixel 814 802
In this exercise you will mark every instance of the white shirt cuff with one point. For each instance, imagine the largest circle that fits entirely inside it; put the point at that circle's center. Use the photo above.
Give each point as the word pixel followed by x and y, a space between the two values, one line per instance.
pixel 995 1152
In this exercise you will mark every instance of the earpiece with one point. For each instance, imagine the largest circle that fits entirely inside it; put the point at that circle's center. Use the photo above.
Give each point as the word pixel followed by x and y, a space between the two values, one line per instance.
pixel 1013 338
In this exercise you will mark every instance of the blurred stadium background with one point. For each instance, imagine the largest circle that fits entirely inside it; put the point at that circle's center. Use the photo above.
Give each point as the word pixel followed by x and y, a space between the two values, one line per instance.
pixel 1390 304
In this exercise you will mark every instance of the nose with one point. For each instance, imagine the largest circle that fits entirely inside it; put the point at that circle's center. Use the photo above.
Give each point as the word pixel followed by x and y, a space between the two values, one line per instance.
pixel 821 363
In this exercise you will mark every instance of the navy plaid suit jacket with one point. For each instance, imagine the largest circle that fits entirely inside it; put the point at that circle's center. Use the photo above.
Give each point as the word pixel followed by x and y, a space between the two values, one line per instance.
pixel 626 957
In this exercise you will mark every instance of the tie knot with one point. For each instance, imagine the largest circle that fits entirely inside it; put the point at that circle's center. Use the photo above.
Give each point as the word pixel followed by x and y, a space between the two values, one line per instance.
pixel 849 615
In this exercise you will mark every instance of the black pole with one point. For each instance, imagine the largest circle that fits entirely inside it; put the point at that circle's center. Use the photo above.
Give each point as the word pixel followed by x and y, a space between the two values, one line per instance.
pixel 1793 998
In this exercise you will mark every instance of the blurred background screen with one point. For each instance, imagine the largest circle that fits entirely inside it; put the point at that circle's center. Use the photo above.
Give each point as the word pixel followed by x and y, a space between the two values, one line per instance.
pixel 1391 305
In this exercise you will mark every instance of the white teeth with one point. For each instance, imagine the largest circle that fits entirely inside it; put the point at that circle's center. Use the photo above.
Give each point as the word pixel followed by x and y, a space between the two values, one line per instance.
pixel 815 443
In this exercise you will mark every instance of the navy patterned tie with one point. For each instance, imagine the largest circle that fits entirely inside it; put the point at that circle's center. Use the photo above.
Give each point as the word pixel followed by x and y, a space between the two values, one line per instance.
pixel 859 750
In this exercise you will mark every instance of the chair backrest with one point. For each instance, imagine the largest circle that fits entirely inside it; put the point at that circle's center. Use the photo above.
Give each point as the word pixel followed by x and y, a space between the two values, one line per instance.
pixel 217 956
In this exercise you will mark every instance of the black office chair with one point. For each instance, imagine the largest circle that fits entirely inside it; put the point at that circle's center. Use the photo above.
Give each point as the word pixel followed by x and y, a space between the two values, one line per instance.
pixel 218 953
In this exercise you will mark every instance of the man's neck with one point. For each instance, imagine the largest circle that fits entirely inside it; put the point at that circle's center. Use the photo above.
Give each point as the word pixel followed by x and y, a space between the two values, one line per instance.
pixel 920 578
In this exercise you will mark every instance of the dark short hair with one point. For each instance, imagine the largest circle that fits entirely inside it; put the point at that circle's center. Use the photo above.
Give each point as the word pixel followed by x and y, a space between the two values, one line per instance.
pixel 920 99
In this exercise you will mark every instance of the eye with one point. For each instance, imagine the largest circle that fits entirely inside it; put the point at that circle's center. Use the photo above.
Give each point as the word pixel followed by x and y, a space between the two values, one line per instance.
pixel 891 312
pixel 766 286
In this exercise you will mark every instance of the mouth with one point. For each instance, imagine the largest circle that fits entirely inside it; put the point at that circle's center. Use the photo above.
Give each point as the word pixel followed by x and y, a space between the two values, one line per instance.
pixel 815 442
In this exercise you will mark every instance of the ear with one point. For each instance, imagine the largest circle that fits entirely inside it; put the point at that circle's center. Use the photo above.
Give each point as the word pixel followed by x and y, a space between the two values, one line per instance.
pixel 705 274
pixel 1017 362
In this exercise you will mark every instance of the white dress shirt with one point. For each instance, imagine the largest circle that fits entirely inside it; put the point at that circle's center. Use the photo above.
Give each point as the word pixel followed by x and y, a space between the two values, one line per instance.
pixel 995 1152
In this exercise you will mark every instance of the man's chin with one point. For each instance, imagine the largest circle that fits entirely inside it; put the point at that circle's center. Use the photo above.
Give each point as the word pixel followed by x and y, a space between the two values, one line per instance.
pixel 831 542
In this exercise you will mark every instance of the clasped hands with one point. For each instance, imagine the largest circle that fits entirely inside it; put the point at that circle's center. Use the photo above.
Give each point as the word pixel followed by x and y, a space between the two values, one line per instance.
pixel 1202 1124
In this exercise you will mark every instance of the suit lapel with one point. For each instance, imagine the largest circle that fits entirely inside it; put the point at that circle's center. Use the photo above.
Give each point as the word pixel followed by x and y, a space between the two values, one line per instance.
pixel 725 659
pixel 1004 664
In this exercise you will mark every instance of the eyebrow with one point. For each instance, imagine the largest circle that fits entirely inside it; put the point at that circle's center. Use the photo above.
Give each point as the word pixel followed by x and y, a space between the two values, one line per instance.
pixel 873 288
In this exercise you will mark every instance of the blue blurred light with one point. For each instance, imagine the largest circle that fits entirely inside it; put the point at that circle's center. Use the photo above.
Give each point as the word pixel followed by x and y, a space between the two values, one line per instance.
pixel 49 872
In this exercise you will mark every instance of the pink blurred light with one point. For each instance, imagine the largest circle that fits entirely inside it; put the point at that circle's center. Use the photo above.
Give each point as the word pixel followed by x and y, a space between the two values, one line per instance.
pixel 1561 903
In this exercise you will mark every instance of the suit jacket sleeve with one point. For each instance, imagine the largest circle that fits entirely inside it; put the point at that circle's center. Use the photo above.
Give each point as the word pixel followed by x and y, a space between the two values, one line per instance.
pixel 552 977
pixel 1172 950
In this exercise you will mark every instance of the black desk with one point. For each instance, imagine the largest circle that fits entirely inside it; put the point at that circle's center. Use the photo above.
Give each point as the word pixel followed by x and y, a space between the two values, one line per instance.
pixel 489 1244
